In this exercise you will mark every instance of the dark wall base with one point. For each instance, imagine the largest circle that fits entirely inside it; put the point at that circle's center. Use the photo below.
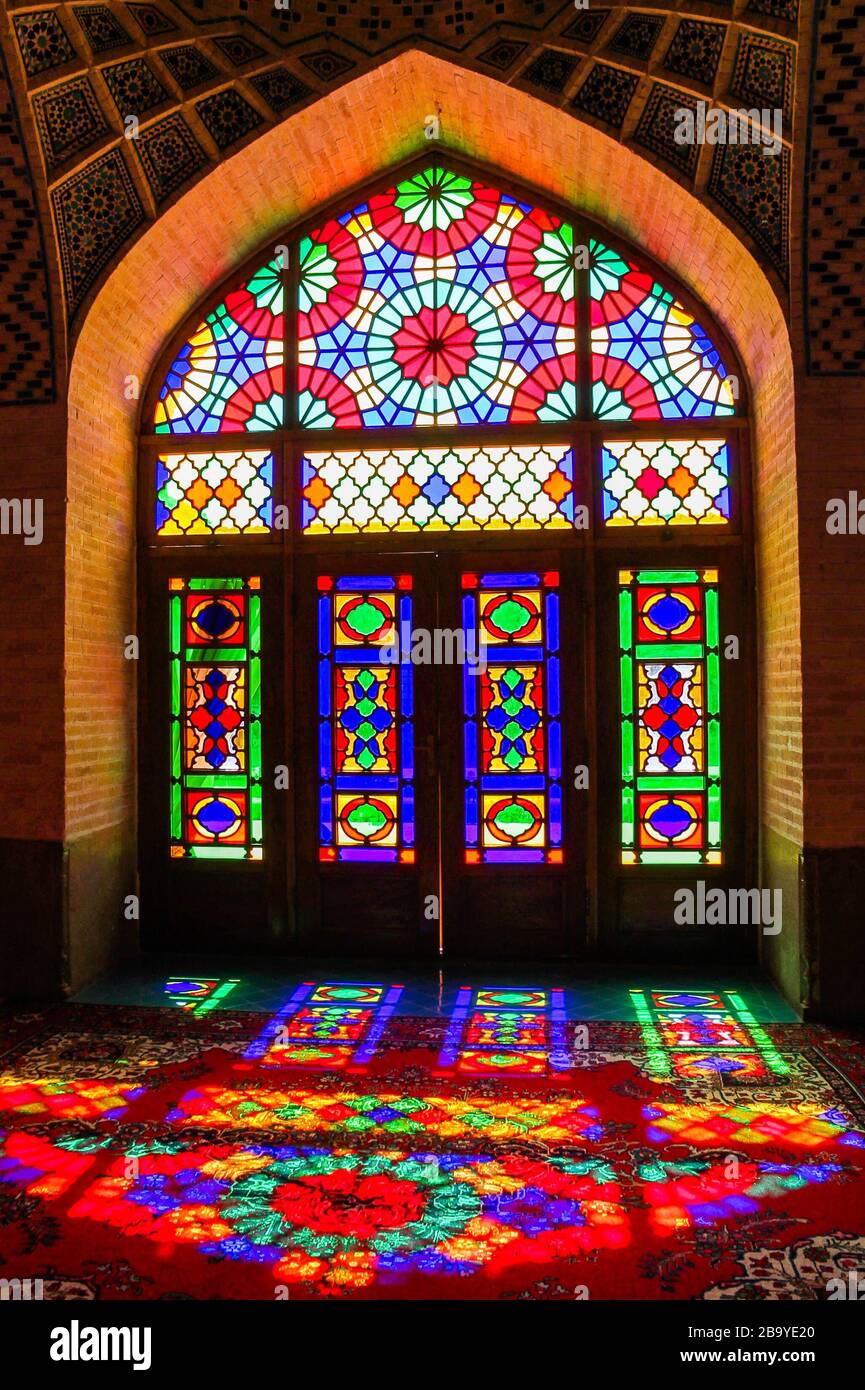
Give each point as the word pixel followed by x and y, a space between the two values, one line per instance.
pixel 783 956
pixel 34 956
pixel 102 878
pixel 833 884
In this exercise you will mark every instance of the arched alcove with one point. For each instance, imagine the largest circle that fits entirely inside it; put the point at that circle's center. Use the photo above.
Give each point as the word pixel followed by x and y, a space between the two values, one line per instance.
pixel 340 142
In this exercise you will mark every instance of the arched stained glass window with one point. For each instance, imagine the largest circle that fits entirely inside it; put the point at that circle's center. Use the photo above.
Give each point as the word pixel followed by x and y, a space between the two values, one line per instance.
pixel 438 301
pixel 651 360
pixel 443 301
pixel 457 396
pixel 228 375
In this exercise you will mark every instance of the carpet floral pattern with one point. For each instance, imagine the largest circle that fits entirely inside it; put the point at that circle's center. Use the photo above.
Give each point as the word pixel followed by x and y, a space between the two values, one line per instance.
pixel 154 1154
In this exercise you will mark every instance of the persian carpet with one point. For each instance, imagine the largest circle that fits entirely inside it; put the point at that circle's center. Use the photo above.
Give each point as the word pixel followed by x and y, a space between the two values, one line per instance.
pixel 150 1154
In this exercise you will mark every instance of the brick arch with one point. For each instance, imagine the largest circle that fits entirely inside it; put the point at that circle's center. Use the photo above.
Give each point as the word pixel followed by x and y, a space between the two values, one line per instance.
pixel 345 139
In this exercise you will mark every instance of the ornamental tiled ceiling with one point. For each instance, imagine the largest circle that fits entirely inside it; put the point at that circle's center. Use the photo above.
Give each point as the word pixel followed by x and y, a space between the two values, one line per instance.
pixel 201 80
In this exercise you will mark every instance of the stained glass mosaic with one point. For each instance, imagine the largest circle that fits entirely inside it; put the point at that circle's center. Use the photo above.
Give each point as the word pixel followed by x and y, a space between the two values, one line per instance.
pixel 651 359
pixel 229 374
pixel 366 724
pixel 665 482
pixel 215 729
pixel 702 1033
pixel 511 488
pixel 512 719
pixel 438 301
pixel 670 717
pixel 214 494
pixel 511 1031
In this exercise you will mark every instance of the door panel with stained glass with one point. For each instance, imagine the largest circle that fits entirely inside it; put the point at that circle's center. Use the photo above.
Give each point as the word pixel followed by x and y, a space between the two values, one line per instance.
pixel 512 841
pixel 367 840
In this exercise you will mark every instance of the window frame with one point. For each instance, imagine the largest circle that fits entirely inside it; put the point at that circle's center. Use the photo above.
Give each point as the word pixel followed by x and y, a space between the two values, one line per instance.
pixel 604 549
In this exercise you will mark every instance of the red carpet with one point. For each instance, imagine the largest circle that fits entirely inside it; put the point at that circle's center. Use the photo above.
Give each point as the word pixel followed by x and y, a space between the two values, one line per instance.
pixel 149 1154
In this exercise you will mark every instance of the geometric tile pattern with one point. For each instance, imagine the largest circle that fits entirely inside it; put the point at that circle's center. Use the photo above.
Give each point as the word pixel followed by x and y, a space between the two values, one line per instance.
pixel 188 66
pixel 26 345
pixel 42 40
pixel 696 50
pixel 228 116
pixel 280 88
pixel 95 211
pixel 545 46
pixel 101 28
pixel 754 187
pixel 239 50
pixel 587 26
pixel 637 35
pixel 326 66
pixel 658 123
pixel 551 70
pixel 134 86
pixel 170 155
pixel 776 9
pixel 763 73
pixel 502 54
pixel 151 20
pixel 607 93
pixel 835 202
pixel 68 119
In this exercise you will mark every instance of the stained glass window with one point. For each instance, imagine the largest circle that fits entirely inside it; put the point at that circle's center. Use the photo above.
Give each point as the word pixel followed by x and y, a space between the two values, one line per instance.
pixel 229 374
pixel 366 728
pixel 443 302
pixel 438 301
pixel 511 714
pixel 665 482
pixel 670 707
pixel 214 494
pixel 651 360
pixel 215 666
pixel 450 489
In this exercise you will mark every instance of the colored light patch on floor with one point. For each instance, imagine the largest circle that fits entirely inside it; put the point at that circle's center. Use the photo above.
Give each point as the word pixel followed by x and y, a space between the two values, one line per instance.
pixel 329 1025
pixel 64 1099
pixel 38 1167
pixel 803 1126
pixel 680 1196
pixel 346 1111
pixel 495 1031
pixel 505 1028
pixel 706 1034
pixel 692 1030
pixel 198 996
pixel 347 994
pixel 342 1219
pixel 740 1066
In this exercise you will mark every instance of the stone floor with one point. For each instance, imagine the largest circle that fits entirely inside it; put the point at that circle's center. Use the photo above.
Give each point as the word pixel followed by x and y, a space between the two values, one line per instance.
pixel 589 993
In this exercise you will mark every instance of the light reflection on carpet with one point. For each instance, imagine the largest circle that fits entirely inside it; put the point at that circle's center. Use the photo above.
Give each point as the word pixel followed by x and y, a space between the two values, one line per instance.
pixel 344 1111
